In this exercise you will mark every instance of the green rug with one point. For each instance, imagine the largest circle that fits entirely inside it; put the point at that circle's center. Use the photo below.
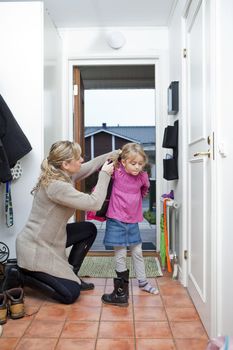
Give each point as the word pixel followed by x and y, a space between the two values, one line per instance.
pixel 103 266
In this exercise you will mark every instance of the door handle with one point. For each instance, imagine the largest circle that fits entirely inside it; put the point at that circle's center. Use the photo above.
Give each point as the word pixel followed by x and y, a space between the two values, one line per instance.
pixel 202 154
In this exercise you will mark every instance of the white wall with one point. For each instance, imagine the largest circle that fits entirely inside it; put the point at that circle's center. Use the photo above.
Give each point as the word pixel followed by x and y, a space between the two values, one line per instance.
pixel 52 84
pixel 224 95
pixel 175 74
pixel 21 85
pixel 31 84
pixel 86 42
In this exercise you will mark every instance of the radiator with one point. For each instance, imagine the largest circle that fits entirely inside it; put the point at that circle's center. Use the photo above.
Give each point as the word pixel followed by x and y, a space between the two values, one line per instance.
pixel 172 208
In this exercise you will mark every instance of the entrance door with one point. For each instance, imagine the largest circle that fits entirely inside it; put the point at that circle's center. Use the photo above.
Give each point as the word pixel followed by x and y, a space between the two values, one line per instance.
pixel 114 77
pixel 78 110
pixel 200 157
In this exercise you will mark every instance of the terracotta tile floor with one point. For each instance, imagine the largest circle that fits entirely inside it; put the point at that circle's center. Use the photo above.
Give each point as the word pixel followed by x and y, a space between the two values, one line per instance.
pixel 151 322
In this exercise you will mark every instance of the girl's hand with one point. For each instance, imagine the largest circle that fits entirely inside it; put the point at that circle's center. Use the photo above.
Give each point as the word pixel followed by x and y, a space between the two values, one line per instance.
pixel 108 167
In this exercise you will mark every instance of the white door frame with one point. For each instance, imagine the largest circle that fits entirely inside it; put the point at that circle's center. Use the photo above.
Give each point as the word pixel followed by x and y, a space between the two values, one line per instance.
pixel 161 83
pixel 215 275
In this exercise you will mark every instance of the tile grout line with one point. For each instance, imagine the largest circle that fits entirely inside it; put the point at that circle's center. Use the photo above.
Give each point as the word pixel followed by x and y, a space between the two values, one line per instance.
pixel 29 324
pixel 64 322
pixel 161 296
pixel 101 311
pixel 134 326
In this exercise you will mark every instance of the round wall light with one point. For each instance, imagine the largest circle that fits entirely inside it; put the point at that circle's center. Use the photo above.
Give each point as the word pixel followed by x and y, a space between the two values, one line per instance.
pixel 116 40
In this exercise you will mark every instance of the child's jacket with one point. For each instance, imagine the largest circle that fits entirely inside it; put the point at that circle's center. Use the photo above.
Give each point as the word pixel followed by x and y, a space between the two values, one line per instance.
pixel 126 198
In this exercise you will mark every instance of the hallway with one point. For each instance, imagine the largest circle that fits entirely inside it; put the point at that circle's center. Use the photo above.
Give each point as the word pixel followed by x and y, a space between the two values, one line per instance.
pixel 167 321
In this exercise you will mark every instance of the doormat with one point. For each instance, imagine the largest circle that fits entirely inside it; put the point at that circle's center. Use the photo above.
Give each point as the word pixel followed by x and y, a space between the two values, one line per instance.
pixel 104 267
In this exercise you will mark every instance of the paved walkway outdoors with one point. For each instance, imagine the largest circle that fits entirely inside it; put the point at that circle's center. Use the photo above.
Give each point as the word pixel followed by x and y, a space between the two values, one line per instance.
pixel 148 234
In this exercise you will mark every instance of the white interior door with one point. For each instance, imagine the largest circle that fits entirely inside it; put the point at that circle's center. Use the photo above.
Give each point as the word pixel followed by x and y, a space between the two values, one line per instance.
pixel 200 156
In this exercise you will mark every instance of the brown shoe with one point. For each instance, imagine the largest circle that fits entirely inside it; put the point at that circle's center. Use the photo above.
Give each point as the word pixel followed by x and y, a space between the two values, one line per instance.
pixel 3 308
pixel 16 302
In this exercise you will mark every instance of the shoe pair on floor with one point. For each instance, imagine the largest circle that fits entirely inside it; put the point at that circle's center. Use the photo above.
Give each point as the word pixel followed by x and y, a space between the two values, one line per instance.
pixel 12 303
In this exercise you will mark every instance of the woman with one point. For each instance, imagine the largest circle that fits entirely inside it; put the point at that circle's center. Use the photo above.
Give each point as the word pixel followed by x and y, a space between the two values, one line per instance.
pixel 41 246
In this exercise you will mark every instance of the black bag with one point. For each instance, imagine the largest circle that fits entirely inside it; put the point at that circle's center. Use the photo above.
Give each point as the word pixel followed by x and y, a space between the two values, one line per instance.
pixel 170 169
pixel 170 137
pixel 102 212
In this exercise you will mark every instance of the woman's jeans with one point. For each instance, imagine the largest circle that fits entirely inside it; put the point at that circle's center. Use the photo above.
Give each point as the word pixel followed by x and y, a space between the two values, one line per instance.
pixel 80 235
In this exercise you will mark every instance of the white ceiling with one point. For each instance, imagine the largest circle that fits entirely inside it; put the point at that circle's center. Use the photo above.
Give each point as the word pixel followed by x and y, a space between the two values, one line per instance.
pixel 112 13
pixel 109 13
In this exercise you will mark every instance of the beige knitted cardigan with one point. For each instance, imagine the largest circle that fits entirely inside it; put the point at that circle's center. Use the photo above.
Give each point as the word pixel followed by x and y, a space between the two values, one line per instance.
pixel 41 245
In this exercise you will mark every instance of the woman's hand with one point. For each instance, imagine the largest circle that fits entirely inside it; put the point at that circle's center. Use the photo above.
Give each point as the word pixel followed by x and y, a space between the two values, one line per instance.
pixel 114 157
pixel 108 167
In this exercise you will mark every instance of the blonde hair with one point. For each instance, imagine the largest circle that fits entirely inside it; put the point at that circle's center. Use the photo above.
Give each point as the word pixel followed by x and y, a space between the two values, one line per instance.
pixel 131 150
pixel 51 166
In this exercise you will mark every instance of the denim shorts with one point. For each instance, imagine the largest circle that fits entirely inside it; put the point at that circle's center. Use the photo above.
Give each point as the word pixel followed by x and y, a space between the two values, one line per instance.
pixel 121 234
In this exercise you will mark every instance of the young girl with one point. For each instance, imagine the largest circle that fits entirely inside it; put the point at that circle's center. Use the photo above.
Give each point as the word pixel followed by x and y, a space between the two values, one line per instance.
pixel 130 185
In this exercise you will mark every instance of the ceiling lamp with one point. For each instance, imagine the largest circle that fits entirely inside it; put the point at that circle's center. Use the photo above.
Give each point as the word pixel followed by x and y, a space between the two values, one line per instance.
pixel 116 40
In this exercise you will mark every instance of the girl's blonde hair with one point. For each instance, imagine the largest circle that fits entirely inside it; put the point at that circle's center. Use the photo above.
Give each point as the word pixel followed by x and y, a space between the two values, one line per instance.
pixel 51 166
pixel 131 150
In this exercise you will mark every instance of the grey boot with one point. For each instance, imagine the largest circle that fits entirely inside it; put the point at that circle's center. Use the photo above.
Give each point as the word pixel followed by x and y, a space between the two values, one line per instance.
pixel 119 295
pixel 125 276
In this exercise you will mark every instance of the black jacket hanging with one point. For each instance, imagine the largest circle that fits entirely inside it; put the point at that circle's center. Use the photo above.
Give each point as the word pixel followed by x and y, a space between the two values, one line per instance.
pixel 5 171
pixel 14 144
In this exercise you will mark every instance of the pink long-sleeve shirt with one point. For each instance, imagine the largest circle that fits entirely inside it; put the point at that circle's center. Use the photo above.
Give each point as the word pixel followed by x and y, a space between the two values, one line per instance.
pixel 126 198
